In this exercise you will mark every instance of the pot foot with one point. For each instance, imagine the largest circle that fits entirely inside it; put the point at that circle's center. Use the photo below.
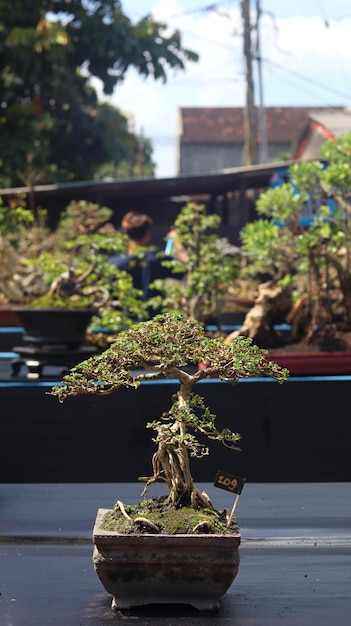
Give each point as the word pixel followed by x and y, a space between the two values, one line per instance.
pixel 200 604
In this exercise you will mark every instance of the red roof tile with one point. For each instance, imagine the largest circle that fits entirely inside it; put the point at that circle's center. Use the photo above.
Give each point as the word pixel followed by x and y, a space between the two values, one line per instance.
pixel 226 125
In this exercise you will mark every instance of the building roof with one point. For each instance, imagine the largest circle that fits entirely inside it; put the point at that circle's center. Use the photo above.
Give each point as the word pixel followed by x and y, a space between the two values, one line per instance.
pixel 133 193
pixel 226 124
pixel 160 198
pixel 231 179
pixel 319 127
pixel 336 122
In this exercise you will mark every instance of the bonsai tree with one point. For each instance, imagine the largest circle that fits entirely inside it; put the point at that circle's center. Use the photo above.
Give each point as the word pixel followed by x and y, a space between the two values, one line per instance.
pixel 209 263
pixel 21 235
pixel 67 267
pixel 79 275
pixel 164 347
pixel 309 259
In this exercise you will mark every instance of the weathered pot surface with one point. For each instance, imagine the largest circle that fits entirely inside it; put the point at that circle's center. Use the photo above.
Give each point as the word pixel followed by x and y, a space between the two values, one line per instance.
pixel 139 569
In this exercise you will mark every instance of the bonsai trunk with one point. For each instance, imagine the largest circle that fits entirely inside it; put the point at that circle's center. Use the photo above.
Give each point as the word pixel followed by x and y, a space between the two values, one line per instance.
pixel 171 460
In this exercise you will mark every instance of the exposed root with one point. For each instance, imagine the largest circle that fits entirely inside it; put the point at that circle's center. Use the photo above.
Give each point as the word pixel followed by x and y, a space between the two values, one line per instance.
pixel 200 526
pixel 207 500
pixel 123 511
pixel 146 522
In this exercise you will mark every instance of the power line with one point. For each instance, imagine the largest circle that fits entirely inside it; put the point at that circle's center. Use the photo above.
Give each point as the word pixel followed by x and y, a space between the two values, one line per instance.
pixel 210 41
pixel 328 25
pixel 197 80
pixel 267 61
pixel 300 88
pixel 203 9
pixel 308 79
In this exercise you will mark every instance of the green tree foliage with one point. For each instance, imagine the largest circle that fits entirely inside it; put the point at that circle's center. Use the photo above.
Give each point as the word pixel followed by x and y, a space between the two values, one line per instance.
pixel 207 266
pixel 51 124
pixel 313 262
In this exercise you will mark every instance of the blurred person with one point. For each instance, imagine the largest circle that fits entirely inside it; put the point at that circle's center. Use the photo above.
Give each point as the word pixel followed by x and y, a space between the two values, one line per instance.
pixel 142 261
pixel 138 228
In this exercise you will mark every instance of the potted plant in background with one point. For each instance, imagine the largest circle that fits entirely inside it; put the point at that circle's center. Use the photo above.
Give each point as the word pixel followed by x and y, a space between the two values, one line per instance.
pixel 211 267
pixel 20 234
pixel 173 548
pixel 309 264
pixel 67 286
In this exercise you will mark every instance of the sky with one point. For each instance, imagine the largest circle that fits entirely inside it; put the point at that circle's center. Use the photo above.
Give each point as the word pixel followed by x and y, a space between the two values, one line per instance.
pixel 306 61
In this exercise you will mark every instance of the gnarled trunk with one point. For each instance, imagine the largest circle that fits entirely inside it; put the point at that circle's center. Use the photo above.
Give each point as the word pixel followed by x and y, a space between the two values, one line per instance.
pixel 171 460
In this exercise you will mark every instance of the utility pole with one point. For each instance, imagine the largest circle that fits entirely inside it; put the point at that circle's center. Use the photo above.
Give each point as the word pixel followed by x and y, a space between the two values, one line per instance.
pixel 262 114
pixel 140 158
pixel 250 123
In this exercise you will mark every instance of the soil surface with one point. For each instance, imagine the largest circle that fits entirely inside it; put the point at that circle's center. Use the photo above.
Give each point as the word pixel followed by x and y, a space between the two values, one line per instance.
pixel 157 516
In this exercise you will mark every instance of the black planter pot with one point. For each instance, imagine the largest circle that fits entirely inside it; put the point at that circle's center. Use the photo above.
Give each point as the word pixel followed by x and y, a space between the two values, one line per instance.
pixel 51 338
pixel 64 328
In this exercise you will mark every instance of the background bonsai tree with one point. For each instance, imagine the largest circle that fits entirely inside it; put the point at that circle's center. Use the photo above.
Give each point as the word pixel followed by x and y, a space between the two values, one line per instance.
pixel 68 267
pixel 79 275
pixel 22 235
pixel 163 347
pixel 209 262
pixel 311 262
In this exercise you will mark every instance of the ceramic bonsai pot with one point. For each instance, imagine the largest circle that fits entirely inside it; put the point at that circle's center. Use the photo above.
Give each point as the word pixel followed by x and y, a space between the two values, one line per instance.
pixel 139 569
pixel 54 327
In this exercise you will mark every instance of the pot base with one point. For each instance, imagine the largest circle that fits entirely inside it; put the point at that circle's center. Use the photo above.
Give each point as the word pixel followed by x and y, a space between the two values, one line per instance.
pixel 34 360
pixel 200 604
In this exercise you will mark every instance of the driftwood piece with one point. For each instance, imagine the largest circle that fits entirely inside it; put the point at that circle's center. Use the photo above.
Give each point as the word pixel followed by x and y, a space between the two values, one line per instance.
pixel 271 307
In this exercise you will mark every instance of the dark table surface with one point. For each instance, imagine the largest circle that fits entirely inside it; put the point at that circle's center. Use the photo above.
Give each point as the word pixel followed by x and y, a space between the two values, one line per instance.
pixel 295 565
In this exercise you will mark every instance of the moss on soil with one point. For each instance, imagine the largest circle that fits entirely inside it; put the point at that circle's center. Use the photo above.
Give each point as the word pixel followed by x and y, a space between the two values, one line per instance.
pixel 167 519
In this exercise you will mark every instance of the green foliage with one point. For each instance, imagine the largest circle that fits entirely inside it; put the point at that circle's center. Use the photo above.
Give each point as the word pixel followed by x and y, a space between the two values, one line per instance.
pixel 197 416
pixel 78 273
pixel 69 268
pixel 14 222
pixel 82 217
pixel 208 270
pixel 21 234
pixel 137 164
pixel 256 238
pixel 281 203
pixel 52 126
pixel 314 262
pixel 165 347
